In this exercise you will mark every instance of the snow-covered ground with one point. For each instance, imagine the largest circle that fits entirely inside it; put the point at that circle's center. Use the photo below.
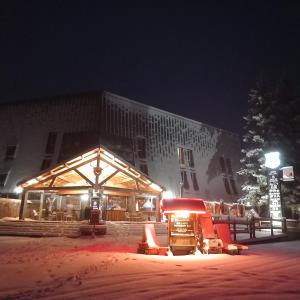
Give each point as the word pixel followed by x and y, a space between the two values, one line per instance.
pixel 108 268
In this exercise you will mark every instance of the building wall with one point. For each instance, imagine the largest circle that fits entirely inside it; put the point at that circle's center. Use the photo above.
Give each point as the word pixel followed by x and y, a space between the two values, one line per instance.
pixel 82 121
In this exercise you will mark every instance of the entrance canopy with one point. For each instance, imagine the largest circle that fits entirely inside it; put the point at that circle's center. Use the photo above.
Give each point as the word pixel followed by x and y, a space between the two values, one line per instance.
pixel 98 168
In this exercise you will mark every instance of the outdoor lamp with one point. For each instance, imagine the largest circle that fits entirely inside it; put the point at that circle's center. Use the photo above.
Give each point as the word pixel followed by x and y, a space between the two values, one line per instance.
pixel 167 195
pixel 272 160
pixel 18 190
pixel 84 197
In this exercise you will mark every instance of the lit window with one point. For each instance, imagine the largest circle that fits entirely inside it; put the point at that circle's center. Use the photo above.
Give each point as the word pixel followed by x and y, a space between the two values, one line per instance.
pixel 227 187
pixel 180 152
pixel 3 178
pixel 195 181
pixel 10 152
pixel 184 180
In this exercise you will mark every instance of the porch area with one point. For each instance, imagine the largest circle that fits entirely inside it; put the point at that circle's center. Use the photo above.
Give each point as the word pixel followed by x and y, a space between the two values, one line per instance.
pixel 95 179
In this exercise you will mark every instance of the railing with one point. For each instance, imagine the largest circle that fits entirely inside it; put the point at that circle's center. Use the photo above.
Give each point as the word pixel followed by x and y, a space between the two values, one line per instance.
pixel 250 226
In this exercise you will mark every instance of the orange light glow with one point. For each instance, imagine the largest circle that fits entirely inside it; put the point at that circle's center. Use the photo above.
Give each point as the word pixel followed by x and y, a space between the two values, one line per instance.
pixel 182 214
pixel 184 211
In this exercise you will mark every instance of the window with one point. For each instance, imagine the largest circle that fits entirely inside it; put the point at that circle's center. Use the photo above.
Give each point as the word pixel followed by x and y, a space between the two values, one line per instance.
pixel 222 164
pixel 46 163
pixel 229 168
pixel 195 181
pixel 227 187
pixel 144 168
pixel 141 148
pixel 190 158
pixel 184 180
pixel 50 147
pixel 3 178
pixel 10 152
pixel 180 152
pixel 233 186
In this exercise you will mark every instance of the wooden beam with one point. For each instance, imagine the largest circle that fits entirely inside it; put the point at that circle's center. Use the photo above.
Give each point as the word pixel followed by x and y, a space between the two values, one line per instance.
pixel 84 177
pixel 119 169
pixel 106 188
pixel 137 185
pixel 52 181
pixel 108 177
pixel 60 173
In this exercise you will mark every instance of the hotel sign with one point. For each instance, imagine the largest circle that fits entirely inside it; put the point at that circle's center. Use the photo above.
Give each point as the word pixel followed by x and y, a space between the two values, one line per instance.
pixel 274 195
pixel 287 173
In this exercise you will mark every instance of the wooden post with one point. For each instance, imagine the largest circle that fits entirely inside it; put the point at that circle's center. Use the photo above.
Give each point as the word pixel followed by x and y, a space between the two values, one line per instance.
pixel 284 225
pixel 158 215
pixel 234 230
pixel 253 227
pixel 23 206
pixel 271 224
pixel 41 205
pixel 250 228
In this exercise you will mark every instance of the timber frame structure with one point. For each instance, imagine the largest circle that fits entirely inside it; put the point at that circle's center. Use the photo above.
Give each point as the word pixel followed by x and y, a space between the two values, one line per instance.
pixel 99 170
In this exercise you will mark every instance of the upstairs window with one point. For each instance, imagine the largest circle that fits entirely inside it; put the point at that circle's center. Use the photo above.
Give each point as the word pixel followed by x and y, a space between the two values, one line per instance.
pixel 144 168
pixel 3 178
pixel 190 158
pixel 233 186
pixel 227 187
pixel 10 153
pixel 184 180
pixel 141 148
pixel 229 168
pixel 50 147
pixel 180 152
pixel 222 165
pixel 46 163
pixel 195 181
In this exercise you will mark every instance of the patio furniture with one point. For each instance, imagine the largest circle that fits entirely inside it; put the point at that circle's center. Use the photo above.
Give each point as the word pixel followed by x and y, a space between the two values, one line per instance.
pixel 150 244
pixel 229 246
pixel 211 244
pixel 115 215
pixel 134 216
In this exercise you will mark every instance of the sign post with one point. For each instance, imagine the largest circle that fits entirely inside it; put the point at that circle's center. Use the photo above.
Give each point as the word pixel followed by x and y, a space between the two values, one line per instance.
pixel 274 195
pixel 273 162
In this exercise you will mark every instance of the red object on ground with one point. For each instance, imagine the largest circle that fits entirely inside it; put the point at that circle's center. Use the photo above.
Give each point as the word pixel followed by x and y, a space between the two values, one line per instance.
pixel 150 244
pixel 224 234
pixel 191 205
pixel 210 242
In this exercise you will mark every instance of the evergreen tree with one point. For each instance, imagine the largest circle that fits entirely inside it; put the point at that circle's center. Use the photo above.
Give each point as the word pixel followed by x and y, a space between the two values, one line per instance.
pixel 254 187
pixel 285 136
pixel 272 124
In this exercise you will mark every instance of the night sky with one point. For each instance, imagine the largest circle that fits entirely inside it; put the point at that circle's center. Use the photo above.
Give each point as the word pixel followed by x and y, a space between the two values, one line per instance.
pixel 194 58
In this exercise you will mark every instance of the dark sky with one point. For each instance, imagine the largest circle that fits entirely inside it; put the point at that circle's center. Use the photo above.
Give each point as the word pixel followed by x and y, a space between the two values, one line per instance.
pixel 194 58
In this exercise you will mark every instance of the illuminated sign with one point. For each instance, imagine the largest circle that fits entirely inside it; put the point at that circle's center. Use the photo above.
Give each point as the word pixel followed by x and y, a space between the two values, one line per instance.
pixel 274 196
pixel 272 160
pixel 287 173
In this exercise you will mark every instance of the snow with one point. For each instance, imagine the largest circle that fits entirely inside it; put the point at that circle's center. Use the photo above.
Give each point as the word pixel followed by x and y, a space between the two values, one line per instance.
pixel 108 268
